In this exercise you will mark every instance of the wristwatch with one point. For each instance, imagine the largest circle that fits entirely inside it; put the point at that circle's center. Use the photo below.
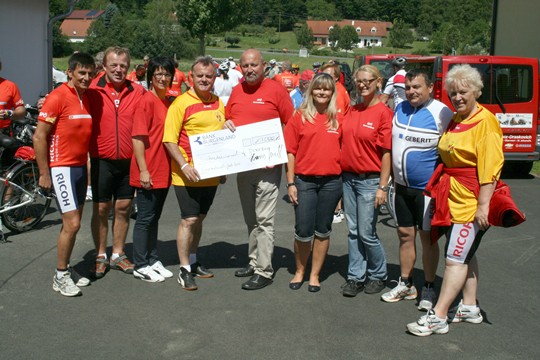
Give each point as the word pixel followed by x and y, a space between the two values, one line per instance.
pixel 383 188
pixel 290 184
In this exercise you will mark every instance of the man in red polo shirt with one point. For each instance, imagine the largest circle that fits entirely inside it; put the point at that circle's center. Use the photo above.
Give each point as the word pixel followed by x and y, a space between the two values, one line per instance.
pixel 258 99
pixel 61 145
pixel 113 100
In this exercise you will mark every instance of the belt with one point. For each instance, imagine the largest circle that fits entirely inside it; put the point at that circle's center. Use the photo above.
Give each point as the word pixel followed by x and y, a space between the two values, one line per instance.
pixel 369 175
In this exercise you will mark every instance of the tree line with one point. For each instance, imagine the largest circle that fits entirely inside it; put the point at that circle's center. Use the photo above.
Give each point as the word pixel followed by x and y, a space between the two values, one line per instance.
pixel 148 25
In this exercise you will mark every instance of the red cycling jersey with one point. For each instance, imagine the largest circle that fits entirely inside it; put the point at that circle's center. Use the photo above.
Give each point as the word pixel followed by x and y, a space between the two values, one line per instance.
pixel 71 126
pixel 113 118
pixel 10 98
pixel 179 78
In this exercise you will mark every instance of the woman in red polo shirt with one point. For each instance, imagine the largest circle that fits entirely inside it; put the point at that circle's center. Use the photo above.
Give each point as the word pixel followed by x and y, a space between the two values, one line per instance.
pixel 150 170
pixel 366 163
pixel 313 141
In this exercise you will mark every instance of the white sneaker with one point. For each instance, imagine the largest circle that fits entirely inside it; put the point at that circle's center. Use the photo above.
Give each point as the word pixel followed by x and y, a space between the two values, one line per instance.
pixel 148 274
pixel 161 270
pixel 89 193
pixel 427 299
pixel 428 324
pixel 77 278
pixel 339 216
pixel 65 285
pixel 460 313
pixel 400 292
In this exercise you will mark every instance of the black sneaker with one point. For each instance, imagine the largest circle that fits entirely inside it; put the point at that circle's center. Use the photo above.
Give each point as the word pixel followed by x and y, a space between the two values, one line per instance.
pixel 352 288
pixel 186 280
pixel 198 270
pixel 374 286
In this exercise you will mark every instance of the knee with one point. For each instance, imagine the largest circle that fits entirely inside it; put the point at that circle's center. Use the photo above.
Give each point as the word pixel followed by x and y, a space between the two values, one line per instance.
pixel 71 225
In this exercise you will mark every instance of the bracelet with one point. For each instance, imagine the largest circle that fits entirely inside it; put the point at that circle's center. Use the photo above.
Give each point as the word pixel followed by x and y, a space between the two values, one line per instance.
pixel 183 166
pixel 290 184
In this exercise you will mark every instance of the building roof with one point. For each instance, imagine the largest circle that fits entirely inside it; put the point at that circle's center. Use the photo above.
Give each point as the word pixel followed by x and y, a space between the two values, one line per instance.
pixel 76 25
pixel 322 27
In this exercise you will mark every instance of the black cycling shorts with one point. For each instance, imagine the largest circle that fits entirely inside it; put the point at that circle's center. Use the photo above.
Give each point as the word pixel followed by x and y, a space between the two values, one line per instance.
pixel 110 179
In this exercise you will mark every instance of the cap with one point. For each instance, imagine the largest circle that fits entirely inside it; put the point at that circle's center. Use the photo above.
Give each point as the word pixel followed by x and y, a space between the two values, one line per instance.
pixel 307 75
pixel 273 62
pixel 295 66
pixel 399 61
pixel 316 64
pixel 223 66
pixel 231 58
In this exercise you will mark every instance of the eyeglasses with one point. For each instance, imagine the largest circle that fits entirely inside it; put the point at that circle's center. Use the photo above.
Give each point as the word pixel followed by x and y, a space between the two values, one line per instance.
pixel 366 82
pixel 161 76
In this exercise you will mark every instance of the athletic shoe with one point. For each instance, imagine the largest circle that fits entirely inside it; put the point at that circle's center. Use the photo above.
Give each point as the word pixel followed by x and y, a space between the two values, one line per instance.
pixel 339 216
pixel 160 269
pixel 374 286
pixel 102 266
pixel 65 285
pixel 89 194
pixel 200 271
pixel 460 313
pixel 186 280
pixel 427 299
pixel 352 288
pixel 122 263
pixel 400 292
pixel 77 278
pixel 428 324
pixel 148 274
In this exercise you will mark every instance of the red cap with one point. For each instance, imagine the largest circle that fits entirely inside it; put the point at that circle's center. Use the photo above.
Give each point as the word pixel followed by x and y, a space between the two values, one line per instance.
pixel 307 75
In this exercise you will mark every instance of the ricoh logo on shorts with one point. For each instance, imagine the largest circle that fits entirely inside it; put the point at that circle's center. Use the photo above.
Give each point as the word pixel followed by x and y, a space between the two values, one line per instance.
pixel 62 187
pixel 461 241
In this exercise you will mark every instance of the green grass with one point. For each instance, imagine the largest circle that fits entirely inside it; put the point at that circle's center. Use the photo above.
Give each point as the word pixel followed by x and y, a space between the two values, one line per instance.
pixel 536 168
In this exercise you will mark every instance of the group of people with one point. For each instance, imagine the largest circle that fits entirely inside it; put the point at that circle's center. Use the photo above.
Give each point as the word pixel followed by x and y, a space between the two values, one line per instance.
pixel 138 142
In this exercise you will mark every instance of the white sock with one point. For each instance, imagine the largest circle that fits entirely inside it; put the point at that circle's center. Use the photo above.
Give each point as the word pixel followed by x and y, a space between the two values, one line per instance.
pixel 469 307
pixel 192 258
pixel 103 255
pixel 115 256
pixel 187 267
pixel 60 274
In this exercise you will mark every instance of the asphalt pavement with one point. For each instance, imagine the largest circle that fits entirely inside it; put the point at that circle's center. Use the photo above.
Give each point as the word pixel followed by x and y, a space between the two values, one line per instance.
pixel 120 317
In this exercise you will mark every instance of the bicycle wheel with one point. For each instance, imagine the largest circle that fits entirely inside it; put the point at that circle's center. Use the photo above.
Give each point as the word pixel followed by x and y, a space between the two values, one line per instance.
pixel 25 179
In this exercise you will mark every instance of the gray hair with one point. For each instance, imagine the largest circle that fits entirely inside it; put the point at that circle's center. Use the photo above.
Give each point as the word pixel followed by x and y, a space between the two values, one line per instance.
pixel 465 75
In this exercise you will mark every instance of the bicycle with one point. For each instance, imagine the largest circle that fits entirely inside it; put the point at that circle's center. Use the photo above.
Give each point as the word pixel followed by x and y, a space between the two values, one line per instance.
pixel 22 203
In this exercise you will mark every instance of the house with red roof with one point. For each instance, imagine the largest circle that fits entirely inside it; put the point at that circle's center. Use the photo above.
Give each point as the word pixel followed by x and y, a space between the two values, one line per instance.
pixel 76 25
pixel 370 33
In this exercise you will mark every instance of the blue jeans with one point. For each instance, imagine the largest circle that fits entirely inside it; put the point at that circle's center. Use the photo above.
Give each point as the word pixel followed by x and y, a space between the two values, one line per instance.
pixel 145 232
pixel 366 254
pixel 317 200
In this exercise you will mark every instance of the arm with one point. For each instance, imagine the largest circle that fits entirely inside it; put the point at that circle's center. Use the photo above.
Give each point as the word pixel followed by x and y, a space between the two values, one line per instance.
pixel 386 165
pixel 482 211
pixel 291 190
pixel 139 153
pixel 190 172
pixel 41 151
pixel 18 113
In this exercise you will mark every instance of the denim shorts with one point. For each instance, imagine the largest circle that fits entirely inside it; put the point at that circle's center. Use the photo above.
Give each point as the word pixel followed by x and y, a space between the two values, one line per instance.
pixel 318 197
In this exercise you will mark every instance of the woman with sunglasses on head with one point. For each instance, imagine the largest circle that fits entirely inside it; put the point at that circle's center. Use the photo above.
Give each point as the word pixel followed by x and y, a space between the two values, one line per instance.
pixel 150 169
pixel 314 186
pixel 366 164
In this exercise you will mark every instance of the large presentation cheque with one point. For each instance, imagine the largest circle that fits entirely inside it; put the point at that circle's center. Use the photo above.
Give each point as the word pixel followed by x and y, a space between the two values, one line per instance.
pixel 250 147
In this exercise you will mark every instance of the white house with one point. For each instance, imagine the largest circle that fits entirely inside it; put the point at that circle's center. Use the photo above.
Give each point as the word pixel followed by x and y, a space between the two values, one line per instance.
pixel 370 33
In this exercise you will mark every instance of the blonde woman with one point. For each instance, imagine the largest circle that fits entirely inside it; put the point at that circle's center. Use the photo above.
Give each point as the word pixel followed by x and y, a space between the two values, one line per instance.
pixel 314 186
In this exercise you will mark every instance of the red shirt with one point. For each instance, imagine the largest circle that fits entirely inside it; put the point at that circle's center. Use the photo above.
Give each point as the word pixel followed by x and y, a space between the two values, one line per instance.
pixel 286 79
pixel 148 122
pixel 71 126
pixel 343 101
pixel 10 98
pixel 315 147
pixel 113 119
pixel 268 101
pixel 366 132
pixel 178 79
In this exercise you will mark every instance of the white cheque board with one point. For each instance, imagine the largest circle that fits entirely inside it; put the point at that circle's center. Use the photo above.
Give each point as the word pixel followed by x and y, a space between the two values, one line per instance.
pixel 252 146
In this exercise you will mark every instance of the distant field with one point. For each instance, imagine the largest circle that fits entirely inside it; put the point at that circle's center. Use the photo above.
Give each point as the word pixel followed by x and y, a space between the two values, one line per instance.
pixel 287 40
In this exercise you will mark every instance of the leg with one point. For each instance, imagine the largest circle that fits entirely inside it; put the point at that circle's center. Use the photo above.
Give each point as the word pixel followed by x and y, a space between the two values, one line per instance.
pixel 454 278
pixel 357 267
pixel 320 249
pixel 430 255
pixel 100 225
pixel 246 191
pixel 302 249
pixel 122 208
pixel 197 233
pixel 185 238
pixel 143 231
pixel 471 284
pixel 407 250
pixel 71 223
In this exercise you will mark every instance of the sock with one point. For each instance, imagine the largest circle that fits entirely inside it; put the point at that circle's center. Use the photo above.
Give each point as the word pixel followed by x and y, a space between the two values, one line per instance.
pixel 104 255
pixel 115 256
pixel 192 258
pixel 407 280
pixel 469 307
pixel 187 267
pixel 60 273
pixel 429 284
